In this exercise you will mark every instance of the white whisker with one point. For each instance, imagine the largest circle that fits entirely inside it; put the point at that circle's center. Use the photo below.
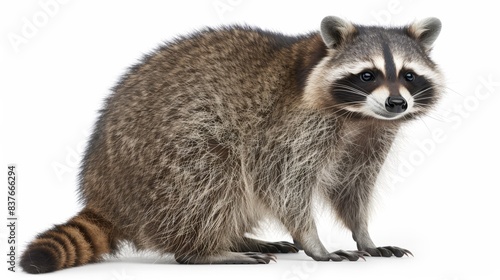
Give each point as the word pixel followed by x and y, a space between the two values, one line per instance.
pixel 421 92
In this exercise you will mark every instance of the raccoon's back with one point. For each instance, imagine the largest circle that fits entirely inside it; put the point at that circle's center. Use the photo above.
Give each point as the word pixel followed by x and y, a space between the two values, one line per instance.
pixel 228 72
pixel 231 62
pixel 201 93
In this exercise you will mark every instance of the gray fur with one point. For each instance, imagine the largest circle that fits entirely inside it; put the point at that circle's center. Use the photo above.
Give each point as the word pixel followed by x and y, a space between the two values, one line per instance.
pixel 213 132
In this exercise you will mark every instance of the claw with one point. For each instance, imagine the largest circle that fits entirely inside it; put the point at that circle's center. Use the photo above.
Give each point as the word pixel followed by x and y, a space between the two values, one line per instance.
pixel 362 257
pixel 364 253
pixel 408 252
pixel 272 257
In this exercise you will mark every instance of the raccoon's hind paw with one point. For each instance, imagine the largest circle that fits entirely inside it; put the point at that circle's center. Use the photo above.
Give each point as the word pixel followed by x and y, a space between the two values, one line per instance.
pixel 388 251
pixel 261 258
pixel 278 247
pixel 297 245
pixel 227 258
pixel 255 245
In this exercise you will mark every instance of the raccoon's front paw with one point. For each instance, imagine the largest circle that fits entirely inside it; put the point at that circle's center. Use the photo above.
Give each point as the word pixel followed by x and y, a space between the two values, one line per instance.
pixel 388 251
pixel 351 255
pixel 341 255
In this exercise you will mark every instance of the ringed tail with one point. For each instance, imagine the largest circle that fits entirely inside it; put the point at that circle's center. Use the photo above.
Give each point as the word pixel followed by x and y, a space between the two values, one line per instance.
pixel 84 239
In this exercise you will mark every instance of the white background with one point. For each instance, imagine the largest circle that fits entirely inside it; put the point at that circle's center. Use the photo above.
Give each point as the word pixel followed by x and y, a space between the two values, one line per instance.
pixel 439 196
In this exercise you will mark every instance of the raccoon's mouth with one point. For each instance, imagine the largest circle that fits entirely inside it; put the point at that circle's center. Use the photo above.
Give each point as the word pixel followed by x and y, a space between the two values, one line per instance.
pixel 379 110
pixel 375 109
pixel 376 112
pixel 389 116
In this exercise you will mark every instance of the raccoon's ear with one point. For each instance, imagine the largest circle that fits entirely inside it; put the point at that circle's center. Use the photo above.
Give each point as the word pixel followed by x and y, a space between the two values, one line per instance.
pixel 335 31
pixel 425 31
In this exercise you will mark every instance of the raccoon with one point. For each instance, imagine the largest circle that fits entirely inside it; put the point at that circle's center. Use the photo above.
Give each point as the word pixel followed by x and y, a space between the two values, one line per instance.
pixel 213 132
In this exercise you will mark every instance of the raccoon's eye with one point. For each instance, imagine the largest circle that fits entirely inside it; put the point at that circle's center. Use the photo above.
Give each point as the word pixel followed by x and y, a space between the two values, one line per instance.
pixel 367 76
pixel 409 76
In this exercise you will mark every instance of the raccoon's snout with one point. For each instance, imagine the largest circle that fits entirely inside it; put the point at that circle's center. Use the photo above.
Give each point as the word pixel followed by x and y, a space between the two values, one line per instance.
pixel 396 104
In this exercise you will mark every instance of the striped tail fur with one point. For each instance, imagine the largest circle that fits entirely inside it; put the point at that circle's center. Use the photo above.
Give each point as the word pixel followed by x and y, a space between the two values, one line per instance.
pixel 84 239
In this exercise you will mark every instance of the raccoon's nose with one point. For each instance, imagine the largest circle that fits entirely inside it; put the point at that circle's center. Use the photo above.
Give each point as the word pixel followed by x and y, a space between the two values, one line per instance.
pixel 396 104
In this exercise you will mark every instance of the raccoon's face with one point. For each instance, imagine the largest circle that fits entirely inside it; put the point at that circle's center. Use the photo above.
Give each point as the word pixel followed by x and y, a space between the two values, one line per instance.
pixel 376 72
